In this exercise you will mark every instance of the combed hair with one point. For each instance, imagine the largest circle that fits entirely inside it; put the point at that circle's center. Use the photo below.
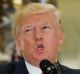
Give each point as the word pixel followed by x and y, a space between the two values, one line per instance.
pixel 32 8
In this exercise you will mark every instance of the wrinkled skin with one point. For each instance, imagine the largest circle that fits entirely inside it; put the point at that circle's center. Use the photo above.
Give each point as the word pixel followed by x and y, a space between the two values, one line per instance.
pixel 40 37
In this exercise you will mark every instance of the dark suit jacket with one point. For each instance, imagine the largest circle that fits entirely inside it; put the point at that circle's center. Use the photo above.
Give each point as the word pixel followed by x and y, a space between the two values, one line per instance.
pixel 20 68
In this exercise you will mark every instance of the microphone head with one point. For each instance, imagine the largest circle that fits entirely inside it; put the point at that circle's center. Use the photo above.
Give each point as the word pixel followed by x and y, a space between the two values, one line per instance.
pixel 47 67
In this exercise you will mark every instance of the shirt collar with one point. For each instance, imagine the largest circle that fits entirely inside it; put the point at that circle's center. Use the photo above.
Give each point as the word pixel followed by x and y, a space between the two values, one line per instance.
pixel 33 69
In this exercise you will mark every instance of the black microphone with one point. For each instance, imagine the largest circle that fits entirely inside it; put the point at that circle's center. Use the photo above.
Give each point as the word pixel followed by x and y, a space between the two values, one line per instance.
pixel 48 68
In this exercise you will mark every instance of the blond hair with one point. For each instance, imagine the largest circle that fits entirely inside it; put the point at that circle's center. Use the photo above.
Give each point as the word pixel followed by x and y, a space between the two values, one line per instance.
pixel 32 8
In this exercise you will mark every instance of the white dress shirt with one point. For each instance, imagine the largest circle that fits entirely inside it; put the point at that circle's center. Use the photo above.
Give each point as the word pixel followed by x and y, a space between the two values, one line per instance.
pixel 33 69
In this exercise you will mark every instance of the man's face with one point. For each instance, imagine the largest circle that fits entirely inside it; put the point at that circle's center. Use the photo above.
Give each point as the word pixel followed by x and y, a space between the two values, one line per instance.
pixel 40 37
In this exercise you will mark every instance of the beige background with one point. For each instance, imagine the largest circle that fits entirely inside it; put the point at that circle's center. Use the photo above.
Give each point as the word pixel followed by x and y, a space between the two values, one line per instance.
pixel 70 10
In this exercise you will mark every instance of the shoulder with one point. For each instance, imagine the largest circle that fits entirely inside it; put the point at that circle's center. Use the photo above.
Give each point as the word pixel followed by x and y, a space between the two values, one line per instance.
pixel 4 68
pixel 13 68
pixel 66 70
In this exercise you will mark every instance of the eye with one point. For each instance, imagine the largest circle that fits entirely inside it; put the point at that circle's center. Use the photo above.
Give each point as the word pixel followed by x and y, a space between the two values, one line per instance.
pixel 29 30
pixel 46 27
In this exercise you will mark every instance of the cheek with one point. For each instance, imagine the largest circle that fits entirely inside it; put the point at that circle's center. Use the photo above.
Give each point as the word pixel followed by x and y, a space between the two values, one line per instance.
pixel 27 39
pixel 52 42
pixel 26 47
pixel 27 44
pixel 51 38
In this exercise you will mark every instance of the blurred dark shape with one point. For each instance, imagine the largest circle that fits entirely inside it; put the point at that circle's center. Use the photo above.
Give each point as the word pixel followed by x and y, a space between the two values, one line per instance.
pixel 6 9
pixel 7 6
pixel 15 56
pixel 53 2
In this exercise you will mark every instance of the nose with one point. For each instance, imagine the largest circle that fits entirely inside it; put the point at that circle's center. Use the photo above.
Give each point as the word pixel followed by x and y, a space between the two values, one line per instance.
pixel 38 36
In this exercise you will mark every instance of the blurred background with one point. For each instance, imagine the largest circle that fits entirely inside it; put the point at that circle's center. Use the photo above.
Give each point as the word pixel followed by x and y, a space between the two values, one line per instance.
pixel 70 12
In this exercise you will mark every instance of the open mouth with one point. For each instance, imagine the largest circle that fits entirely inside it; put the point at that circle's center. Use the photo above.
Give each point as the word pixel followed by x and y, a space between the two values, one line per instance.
pixel 40 46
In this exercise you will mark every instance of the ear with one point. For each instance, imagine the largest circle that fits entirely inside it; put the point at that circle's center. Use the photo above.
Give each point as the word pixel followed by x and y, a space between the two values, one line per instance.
pixel 18 47
pixel 61 39
pixel 17 41
pixel 61 35
pixel 19 44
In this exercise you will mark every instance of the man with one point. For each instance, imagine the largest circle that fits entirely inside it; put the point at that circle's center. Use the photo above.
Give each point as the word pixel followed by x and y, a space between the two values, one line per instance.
pixel 38 34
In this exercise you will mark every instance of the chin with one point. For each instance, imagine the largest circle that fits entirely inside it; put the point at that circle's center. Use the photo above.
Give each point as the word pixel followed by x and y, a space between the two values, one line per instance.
pixel 39 58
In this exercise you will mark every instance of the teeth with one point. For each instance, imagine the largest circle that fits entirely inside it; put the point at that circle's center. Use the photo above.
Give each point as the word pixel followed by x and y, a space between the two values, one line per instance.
pixel 40 46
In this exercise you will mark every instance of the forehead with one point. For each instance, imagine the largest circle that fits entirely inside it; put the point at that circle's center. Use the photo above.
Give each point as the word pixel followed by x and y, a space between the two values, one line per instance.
pixel 39 18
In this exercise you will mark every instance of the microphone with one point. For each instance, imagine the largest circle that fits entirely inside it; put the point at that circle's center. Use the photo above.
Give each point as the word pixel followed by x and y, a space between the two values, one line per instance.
pixel 48 68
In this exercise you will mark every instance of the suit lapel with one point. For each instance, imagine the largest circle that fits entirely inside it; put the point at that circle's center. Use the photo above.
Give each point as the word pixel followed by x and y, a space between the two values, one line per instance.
pixel 20 68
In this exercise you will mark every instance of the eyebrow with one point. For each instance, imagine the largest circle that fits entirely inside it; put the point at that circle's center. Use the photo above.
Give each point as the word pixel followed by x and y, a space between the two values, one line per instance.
pixel 28 25
pixel 45 23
